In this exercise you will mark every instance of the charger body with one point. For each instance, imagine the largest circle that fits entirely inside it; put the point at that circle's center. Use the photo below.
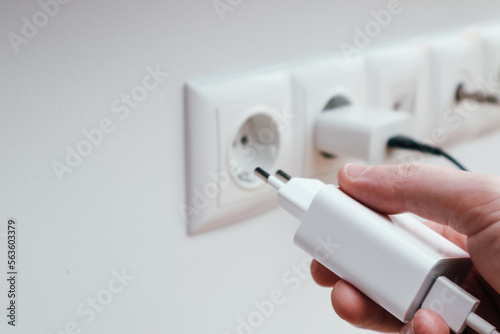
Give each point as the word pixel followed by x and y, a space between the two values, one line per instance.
pixel 393 260
pixel 359 132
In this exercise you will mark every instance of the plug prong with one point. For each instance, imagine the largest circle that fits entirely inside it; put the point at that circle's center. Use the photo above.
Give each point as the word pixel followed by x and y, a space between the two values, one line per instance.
pixel 283 176
pixel 270 179
pixel 262 174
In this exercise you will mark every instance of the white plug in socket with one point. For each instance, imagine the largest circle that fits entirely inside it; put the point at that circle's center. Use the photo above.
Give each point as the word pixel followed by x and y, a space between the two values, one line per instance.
pixel 397 79
pixel 317 85
pixel 360 132
pixel 232 127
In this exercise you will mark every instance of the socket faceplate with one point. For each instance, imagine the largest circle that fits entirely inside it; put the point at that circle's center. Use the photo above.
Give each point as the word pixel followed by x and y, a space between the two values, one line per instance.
pixel 453 59
pixel 230 126
pixel 397 77
pixel 313 87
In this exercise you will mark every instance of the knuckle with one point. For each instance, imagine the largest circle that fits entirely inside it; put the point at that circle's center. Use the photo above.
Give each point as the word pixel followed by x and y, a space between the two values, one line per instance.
pixel 486 209
pixel 399 186
pixel 407 170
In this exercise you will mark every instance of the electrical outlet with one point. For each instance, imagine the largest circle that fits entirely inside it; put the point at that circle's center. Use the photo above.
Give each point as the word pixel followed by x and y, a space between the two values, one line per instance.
pixel 232 127
pixel 318 86
pixel 397 79
pixel 454 60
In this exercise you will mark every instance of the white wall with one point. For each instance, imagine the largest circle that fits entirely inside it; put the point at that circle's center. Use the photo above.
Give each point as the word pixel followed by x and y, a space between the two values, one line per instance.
pixel 118 208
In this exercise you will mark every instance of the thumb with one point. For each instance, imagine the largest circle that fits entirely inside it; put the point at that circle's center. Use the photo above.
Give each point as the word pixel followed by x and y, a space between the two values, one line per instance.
pixel 467 202
pixel 426 322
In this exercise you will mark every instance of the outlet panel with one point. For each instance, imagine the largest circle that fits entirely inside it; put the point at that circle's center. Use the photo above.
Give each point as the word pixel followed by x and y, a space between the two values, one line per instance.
pixel 454 59
pixel 233 126
pixel 314 87
pixel 397 79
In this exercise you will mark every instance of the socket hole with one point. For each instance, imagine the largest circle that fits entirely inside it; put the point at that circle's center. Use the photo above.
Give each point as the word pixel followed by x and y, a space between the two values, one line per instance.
pixel 256 144
pixel 397 106
pixel 459 92
pixel 327 155
pixel 336 102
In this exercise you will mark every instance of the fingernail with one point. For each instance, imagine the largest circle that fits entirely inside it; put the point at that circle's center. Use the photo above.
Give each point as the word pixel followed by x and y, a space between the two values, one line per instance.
pixel 407 329
pixel 355 171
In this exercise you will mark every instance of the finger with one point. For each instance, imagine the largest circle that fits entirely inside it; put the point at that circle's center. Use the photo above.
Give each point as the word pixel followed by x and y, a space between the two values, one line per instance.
pixel 426 322
pixel 322 275
pixel 447 232
pixel 354 307
pixel 465 201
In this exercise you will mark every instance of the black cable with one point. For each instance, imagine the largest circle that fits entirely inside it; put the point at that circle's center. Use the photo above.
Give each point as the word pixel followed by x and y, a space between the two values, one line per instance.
pixel 449 157
pixel 411 144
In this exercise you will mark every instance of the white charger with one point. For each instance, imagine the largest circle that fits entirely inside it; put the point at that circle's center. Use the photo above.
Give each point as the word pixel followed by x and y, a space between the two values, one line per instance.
pixel 359 132
pixel 396 261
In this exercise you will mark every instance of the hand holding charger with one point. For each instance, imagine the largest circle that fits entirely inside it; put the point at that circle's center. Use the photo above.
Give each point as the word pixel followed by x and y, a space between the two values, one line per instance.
pixel 396 261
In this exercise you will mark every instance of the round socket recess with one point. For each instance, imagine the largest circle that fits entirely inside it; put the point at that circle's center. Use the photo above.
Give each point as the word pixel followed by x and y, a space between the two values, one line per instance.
pixel 256 144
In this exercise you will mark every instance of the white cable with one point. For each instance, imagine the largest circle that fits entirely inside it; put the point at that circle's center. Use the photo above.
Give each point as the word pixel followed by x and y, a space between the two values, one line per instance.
pixel 480 325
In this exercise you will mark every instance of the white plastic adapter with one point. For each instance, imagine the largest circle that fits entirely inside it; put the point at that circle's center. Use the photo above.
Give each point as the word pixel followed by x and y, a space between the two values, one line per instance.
pixel 392 260
pixel 359 131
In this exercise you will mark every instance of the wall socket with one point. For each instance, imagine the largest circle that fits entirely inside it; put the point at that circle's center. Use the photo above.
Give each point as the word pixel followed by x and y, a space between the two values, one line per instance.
pixel 232 127
pixel 397 78
pixel 317 86
pixel 454 59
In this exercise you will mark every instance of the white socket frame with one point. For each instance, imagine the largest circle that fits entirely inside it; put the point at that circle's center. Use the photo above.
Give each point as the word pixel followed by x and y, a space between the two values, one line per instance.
pixel 313 86
pixel 215 110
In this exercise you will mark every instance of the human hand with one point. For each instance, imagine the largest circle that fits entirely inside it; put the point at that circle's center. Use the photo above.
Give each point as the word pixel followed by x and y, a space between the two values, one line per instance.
pixel 465 208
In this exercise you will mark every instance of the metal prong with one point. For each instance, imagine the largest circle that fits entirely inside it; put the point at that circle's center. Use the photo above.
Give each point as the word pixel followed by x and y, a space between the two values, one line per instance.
pixel 283 176
pixel 262 174
pixel 273 181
